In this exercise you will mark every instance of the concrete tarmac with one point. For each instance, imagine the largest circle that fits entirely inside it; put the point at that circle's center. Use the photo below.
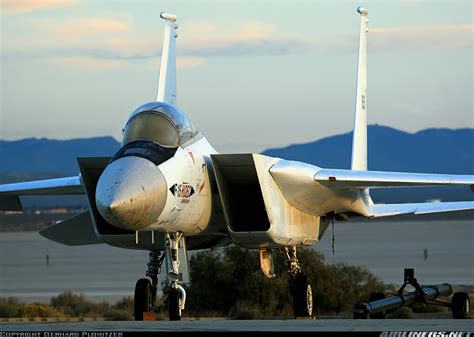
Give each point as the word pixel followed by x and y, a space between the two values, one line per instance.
pixel 249 325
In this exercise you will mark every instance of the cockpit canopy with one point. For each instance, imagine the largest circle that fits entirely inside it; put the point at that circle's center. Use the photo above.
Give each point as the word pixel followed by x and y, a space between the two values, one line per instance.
pixel 160 123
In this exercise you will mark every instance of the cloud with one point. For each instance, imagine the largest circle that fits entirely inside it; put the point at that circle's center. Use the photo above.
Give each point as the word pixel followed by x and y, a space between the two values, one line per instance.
pixel 27 6
pixel 105 38
pixel 453 37
pixel 86 27
pixel 244 39
pixel 95 37
pixel 211 33
pixel 195 44
pixel 126 47
pixel 81 40
pixel 425 29
pixel 88 63
pixel 184 62
pixel 91 63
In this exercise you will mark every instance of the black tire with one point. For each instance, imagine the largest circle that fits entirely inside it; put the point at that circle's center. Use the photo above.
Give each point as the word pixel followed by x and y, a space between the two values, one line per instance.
pixel 302 296
pixel 376 297
pixel 358 310
pixel 143 301
pixel 460 305
pixel 173 305
pixel 359 315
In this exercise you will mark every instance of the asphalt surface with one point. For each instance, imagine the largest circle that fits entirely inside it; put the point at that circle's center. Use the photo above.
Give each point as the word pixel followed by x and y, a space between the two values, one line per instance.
pixel 250 325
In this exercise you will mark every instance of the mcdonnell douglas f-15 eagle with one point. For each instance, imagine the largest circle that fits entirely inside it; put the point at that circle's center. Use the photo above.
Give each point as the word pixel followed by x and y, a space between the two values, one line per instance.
pixel 167 190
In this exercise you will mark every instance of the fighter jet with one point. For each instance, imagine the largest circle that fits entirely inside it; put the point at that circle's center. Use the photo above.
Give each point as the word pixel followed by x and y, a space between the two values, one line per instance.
pixel 168 191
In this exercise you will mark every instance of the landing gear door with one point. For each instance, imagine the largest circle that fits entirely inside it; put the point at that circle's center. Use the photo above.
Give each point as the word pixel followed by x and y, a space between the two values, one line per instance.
pixel 184 277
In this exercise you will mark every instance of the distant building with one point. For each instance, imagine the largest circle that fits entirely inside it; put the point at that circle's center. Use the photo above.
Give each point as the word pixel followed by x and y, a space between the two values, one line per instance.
pixel 57 211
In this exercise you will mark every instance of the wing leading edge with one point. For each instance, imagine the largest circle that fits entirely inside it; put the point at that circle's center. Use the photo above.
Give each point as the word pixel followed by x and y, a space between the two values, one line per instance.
pixel 9 193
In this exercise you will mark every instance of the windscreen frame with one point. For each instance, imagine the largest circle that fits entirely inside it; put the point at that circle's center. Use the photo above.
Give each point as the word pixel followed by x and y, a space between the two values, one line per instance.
pixel 153 133
pixel 186 130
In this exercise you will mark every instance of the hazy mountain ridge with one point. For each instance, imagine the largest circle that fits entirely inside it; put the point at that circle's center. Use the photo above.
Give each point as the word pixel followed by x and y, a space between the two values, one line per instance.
pixel 34 156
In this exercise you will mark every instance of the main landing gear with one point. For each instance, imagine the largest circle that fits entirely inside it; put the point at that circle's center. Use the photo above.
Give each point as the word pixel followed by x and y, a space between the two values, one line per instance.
pixel 146 288
pixel 300 285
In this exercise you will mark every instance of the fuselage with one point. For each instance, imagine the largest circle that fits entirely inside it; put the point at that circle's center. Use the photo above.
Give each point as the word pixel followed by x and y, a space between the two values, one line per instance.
pixel 160 180
pixel 189 200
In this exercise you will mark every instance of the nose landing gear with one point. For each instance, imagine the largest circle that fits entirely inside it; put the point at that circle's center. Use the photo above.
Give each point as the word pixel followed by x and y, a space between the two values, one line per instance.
pixel 176 300
pixel 177 294
pixel 145 290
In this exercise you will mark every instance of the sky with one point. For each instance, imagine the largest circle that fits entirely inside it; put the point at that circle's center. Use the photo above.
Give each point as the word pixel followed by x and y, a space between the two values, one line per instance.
pixel 251 74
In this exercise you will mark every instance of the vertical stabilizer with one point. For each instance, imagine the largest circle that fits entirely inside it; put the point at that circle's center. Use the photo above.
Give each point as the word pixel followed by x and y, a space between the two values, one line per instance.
pixel 359 140
pixel 167 83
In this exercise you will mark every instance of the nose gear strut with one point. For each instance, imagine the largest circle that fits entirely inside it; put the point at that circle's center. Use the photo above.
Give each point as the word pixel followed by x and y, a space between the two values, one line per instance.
pixel 177 294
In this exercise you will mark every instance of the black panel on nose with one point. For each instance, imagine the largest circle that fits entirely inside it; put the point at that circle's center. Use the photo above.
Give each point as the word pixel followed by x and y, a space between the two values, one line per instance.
pixel 155 153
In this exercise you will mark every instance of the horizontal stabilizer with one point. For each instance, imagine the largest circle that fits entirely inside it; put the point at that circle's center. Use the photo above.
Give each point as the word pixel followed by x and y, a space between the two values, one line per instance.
pixel 382 210
pixel 349 179
pixel 75 231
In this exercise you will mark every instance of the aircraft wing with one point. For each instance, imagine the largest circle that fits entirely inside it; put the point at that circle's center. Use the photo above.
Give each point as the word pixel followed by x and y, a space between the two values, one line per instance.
pixel 320 191
pixel 9 193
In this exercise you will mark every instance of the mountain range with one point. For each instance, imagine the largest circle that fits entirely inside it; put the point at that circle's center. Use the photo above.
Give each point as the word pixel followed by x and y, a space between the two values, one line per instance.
pixel 430 151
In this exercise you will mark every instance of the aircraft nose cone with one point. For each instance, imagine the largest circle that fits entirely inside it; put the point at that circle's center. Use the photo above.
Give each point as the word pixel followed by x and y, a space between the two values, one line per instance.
pixel 131 193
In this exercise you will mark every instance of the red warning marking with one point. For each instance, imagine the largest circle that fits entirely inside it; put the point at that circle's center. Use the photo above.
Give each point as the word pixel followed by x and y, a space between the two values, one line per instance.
pixel 192 156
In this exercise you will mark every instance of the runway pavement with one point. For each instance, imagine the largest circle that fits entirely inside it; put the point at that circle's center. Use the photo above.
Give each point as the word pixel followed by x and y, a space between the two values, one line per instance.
pixel 248 325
